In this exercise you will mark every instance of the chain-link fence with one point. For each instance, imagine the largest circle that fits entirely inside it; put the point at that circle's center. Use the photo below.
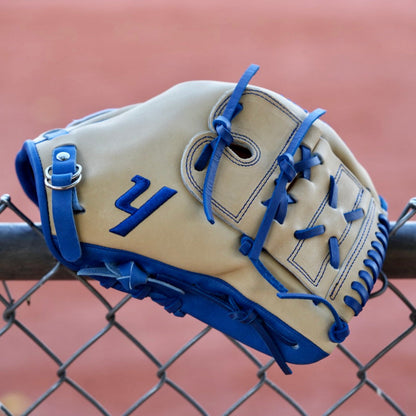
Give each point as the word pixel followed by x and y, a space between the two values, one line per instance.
pixel 170 367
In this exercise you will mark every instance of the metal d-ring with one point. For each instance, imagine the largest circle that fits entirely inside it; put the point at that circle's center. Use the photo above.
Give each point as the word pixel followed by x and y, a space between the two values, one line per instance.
pixel 75 180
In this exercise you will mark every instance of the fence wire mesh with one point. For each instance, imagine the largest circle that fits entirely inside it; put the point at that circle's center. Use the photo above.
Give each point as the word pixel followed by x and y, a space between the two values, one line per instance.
pixel 61 371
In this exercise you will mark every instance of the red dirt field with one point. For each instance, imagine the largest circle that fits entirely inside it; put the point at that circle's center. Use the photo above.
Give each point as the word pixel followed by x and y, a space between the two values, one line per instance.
pixel 63 60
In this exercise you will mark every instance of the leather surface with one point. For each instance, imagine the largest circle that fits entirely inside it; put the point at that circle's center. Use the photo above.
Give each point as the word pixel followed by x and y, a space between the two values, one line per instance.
pixel 161 139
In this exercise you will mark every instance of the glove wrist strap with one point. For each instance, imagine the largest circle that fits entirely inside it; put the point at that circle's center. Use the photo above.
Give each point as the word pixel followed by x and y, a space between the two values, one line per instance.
pixel 62 177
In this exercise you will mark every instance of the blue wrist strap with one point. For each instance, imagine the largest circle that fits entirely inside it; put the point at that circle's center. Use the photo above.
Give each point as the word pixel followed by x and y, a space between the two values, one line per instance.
pixel 64 201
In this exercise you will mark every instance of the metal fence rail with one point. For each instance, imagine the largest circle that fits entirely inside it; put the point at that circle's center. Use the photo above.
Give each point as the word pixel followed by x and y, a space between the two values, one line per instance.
pixel 24 257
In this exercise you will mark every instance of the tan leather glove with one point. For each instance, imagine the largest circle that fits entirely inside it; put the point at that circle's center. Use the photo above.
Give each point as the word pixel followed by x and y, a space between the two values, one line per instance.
pixel 224 201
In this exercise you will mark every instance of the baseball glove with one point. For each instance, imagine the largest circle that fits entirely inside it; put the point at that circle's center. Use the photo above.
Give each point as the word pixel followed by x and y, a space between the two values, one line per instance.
pixel 224 201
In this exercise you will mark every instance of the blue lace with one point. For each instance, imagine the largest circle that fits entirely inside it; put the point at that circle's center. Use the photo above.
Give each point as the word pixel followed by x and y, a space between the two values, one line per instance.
pixel 277 205
pixel 212 152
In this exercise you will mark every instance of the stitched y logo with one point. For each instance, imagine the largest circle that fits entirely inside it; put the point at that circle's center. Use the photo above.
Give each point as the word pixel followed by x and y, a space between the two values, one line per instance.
pixel 137 215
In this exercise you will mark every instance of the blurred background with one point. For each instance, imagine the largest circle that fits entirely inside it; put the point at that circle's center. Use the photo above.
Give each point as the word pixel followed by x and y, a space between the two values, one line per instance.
pixel 61 60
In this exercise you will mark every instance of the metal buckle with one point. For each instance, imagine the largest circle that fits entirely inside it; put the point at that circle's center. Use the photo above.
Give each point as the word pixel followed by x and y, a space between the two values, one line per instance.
pixel 75 180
